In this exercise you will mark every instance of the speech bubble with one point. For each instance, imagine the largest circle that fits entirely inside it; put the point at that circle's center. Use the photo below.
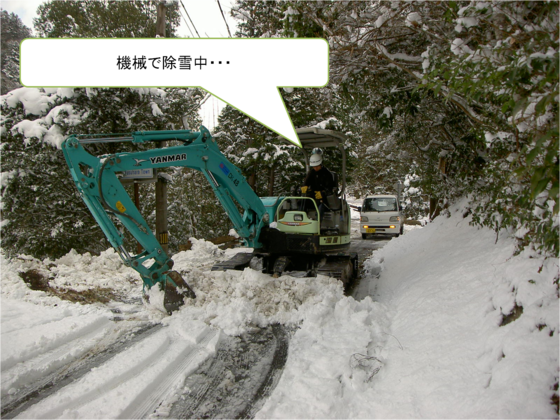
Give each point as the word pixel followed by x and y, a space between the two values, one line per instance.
pixel 245 73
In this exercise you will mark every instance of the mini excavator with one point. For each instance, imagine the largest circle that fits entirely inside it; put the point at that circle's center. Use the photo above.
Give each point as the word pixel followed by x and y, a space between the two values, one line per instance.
pixel 287 233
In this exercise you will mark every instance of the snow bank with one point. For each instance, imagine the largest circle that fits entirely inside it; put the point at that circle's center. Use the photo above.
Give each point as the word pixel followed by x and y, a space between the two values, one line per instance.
pixel 452 325
pixel 442 329
pixel 202 255
pixel 72 271
pixel 453 292
pixel 236 301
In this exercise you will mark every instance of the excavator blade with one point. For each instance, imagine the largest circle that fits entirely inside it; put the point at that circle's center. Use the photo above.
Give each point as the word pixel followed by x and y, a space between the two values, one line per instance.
pixel 176 290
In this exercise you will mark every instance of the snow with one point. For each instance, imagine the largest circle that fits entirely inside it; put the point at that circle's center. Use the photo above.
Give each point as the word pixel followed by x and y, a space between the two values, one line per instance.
pixel 460 47
pixel 54 115
pixel 413 19
pixel 38 101
pixel 5 177
pixel 103 271
pixel 381 20
pixel 465 23
pixel 398 56
pixel 156 111
pixel 428 332
pixel 234 301
pixel 323 124
pixel 33 100
pixel 30 129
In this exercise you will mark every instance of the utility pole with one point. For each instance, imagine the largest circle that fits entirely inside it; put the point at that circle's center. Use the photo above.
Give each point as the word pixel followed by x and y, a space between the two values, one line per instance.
pixel 161 184
pixel 160 21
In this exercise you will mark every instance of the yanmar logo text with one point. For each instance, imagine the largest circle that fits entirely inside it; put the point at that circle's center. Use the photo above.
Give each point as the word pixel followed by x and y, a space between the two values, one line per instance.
pixel 168 158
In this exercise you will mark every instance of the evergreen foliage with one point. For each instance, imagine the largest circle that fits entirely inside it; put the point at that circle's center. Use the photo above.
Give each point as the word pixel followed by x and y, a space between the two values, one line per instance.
pixel 272 166
pixel 257 19
pixel 263 159
pixel 506 69
pixel 42 212
pixel 455 98
pixel 13 31
pixel 103 19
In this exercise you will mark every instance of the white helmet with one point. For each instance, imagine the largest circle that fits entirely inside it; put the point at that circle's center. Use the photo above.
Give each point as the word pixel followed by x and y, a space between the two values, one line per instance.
pixel 316 158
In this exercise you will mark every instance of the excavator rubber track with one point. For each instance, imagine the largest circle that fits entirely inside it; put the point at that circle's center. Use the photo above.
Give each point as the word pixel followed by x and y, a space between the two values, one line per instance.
pixel 340 267
pixel 239 261
pixel 343 268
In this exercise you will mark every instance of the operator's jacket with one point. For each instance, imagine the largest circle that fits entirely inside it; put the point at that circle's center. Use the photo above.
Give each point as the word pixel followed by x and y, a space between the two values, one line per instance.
pixel 322 180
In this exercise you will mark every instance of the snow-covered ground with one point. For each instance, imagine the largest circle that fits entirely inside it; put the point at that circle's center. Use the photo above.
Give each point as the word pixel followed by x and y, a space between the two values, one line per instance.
pixel 426 334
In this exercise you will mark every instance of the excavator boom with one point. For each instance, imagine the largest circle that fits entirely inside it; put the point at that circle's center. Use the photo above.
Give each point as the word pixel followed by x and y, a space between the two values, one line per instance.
pixel 98 182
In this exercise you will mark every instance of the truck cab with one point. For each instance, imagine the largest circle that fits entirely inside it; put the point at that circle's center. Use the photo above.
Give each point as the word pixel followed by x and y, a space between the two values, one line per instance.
pixel 381 214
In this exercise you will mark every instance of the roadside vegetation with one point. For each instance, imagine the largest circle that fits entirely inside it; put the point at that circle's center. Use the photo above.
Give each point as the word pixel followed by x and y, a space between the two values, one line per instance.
pixel 452 99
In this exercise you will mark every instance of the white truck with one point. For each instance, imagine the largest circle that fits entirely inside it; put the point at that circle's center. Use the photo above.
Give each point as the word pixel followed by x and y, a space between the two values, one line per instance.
pixel 381 214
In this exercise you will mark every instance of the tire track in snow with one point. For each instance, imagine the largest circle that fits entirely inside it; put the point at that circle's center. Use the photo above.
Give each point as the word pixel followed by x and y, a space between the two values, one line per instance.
pixel 273 376
pixel 68 374
pixel 157 365
pixel 131 383
pixel 169 379
pixel 51 339
pixel 236 382
pixel 103 379
pixel 70 348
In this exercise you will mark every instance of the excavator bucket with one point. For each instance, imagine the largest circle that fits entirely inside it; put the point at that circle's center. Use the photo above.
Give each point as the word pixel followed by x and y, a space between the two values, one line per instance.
pixel 176 290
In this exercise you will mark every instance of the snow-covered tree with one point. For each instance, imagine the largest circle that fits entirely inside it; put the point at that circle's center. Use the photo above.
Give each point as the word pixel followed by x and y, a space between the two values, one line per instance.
pixel 273 166
pixel 13 32
pixel 463 93
pixel 258 19
pixel 265 161
pixel 103 18
pixel 501 63
pixel 42 213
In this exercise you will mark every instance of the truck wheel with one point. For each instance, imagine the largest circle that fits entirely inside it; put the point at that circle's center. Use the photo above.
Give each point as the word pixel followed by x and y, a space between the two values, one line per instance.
pixel 364 236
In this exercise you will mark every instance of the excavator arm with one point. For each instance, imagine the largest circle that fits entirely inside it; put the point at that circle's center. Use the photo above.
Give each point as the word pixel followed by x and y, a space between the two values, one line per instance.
pixel 98 182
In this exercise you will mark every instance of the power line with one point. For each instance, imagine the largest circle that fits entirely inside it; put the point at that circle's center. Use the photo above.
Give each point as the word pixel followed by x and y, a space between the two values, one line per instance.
pixel 189 18
pixel 186 23
pixel 222 12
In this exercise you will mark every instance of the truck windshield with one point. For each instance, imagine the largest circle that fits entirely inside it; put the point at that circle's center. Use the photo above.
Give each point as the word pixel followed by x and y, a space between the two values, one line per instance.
pixel 380 204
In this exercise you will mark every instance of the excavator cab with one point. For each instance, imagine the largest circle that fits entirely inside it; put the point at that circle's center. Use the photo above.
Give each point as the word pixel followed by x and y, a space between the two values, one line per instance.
pixel 334 220
pixel 305 238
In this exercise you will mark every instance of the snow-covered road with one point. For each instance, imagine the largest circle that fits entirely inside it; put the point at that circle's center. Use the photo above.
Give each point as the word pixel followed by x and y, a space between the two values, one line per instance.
pixel 443 336
pixel 220 356
pixel 125 359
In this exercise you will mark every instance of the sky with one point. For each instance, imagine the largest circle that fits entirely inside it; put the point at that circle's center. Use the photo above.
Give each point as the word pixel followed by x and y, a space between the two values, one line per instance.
pixel 205 15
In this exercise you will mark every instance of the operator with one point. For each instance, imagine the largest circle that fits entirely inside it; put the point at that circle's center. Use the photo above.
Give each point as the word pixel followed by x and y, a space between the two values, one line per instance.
pixel 319 182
